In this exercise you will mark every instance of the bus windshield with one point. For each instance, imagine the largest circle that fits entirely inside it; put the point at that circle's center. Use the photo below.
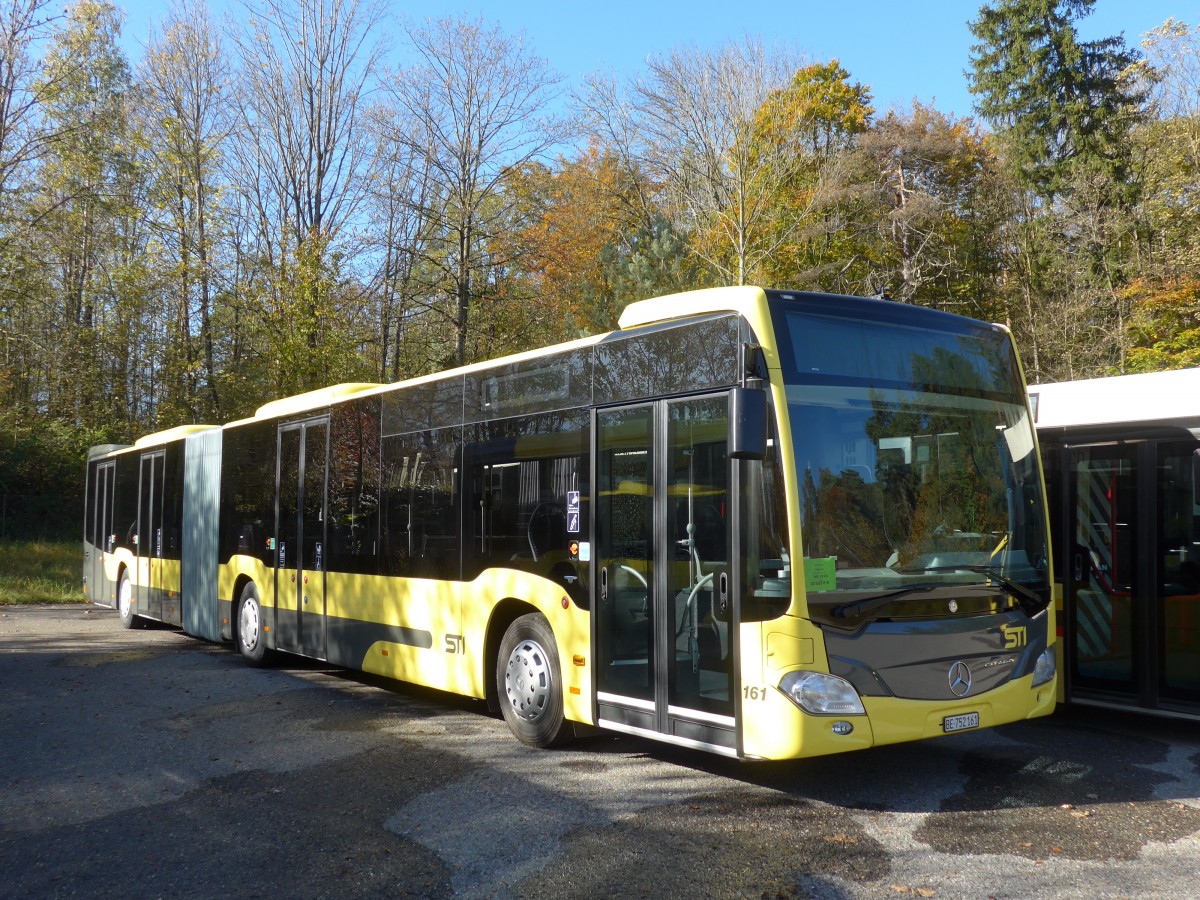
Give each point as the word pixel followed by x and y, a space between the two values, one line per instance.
pixel 915 456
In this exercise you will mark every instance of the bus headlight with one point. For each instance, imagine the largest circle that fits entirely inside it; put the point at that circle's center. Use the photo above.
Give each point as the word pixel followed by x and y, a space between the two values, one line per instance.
pixel 1044 670
pixel 821 694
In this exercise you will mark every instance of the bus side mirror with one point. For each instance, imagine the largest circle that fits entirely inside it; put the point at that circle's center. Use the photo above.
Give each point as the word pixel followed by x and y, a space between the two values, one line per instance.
pixel 747 423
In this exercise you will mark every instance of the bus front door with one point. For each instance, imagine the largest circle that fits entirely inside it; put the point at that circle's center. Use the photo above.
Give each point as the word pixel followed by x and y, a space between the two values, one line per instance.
pixel 664 636
pixel 300 624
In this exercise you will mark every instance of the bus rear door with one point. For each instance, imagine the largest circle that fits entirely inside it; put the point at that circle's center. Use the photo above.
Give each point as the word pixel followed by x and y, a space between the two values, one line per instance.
pixel 300 533
pixel 150 535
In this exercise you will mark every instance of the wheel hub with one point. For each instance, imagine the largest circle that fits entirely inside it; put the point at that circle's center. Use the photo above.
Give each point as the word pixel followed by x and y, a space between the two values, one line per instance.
pixel 527 680
pixel 248 625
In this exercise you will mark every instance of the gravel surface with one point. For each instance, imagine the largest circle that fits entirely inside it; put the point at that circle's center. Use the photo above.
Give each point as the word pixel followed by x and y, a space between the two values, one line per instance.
pixel 145 763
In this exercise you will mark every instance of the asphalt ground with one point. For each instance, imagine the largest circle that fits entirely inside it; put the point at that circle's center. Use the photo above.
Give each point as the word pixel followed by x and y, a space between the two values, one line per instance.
pixel 145 763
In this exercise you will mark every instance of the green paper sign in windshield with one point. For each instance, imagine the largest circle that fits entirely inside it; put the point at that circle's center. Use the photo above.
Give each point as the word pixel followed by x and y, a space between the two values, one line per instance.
pixel 820 574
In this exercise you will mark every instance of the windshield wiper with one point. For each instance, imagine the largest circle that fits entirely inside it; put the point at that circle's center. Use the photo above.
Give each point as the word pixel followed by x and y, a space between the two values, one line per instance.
pixel 1031 604
pixel 845 610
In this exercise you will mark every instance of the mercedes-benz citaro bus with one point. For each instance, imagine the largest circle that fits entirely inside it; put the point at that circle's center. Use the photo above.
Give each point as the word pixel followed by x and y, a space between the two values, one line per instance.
pixel 765 524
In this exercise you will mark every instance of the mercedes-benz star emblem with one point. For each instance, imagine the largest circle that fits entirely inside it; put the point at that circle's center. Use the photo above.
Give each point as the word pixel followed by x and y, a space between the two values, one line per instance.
pixel 960 679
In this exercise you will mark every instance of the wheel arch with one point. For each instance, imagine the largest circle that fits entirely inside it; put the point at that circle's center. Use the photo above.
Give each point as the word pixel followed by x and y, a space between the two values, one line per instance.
pixel 503 615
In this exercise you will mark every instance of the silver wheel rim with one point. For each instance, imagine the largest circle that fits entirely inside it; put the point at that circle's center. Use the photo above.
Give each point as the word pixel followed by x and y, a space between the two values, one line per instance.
pixel 527 680
pixel 125 598
pixel 248 625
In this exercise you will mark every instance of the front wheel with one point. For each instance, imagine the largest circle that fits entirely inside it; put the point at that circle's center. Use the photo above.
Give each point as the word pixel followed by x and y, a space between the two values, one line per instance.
pixel 527 682
pixel 251 636
pixel 125 600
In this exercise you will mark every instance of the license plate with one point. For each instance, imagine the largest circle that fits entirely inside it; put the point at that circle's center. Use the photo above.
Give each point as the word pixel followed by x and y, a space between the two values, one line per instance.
pixel 960 723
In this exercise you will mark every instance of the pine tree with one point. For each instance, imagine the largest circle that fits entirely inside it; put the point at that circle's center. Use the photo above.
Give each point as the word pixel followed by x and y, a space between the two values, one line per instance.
pixel 1059 102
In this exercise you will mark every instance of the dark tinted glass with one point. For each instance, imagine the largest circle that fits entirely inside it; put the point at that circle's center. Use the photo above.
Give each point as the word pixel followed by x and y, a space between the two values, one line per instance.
pixel 172 502
pixel 248 491
pixel 126 507
pixel 150 506
pixel 764 536
pixel 421 528
pixel 354 464
pixel 882 343
pixel 668 360
pixel 561 381
pixel 422 407
pixel 89 504
pixel 527 505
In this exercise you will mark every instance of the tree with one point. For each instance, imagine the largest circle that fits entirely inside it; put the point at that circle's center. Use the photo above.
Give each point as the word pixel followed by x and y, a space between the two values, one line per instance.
pixel 817 232
pixel 184 93
pixel 1061 102
pixel 301 155
pixel 584 225
pixel 925 171
pixel 22 139
pixel 89 323
pixel 476 106
pixel 1065 111
pixel 1164 295
pixel 400 198
pixel 1165 324
pixel 691 124
pixel 1170 144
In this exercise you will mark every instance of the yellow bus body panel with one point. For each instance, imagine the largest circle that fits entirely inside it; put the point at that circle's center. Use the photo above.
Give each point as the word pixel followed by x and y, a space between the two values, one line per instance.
pixel 114 562
pixel 457 615
pixel 250 567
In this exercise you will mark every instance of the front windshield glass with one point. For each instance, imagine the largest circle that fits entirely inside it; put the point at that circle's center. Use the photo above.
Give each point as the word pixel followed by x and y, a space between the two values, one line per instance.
pixel 914 450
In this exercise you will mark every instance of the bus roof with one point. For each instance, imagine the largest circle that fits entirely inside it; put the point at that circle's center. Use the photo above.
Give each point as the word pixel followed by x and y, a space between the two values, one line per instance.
pixel 690 303
pixel 687 304
pixel 171 434
pixel 312 399
pixel 1153 398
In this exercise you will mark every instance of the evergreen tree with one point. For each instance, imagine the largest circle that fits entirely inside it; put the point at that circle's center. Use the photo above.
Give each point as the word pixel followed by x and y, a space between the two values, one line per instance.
pixel 1059 102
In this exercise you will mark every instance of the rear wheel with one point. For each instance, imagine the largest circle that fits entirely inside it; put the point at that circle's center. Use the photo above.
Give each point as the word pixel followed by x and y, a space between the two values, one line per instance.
pixel 251 636
pixel 125 600
pixel 528 683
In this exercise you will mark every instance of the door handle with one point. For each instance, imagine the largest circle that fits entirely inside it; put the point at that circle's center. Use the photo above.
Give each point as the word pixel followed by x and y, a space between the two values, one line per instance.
pixel 604 584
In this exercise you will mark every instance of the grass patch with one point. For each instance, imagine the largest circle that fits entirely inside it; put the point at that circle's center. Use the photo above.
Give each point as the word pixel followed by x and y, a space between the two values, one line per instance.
pixel 41 572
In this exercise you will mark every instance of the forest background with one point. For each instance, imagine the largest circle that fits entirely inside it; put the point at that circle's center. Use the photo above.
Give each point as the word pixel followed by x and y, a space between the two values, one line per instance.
pixel 256 209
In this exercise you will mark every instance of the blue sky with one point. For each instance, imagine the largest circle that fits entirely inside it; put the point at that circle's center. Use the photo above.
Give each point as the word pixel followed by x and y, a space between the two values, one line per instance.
pixel 902 50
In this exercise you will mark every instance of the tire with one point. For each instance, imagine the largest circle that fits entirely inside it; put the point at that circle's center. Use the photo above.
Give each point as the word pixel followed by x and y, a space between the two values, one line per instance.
pixel 528 683
pixel 125 600
pixel 251 638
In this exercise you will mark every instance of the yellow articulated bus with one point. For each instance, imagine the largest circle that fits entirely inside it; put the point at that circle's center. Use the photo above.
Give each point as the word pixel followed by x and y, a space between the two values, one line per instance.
pixel 764 524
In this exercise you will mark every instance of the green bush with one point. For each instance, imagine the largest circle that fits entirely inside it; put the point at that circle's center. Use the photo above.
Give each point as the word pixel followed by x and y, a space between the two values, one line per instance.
pixel 42 470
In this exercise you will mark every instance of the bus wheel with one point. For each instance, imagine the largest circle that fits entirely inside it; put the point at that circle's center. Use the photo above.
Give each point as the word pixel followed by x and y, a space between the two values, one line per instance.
pixel 527 682
pixel 251 638
pixel 125 600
